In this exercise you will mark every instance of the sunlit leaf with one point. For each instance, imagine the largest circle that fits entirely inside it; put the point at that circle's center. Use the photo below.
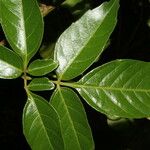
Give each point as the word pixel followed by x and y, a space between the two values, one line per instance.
pixel 82 43
pixel 11 65
pixel 23 26
pixel 41 67
pixel 75 129
pixel 40 84
pixel 119 88
pixel 41 125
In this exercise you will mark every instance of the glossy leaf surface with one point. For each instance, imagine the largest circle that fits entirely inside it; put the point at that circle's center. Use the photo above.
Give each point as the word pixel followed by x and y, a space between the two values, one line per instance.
pixel 75 129
pixel 119 88
pixel 10 64
pixel 41 125
pixel 81 44
pixel 41 67
pixel 41 84
pixel 23 26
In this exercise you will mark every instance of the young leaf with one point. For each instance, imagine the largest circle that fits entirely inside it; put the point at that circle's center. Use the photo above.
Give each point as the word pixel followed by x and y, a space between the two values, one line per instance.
pixel 81 44
pixel 10 64
pixel 41 125
pixel 119 88
pixel 40 84
pixel 41 67
pixel 23 26
pixel 74 125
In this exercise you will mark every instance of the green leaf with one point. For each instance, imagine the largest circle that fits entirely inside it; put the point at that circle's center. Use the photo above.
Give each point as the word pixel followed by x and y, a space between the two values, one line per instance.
pixel 40 84
pixel 0 13
pixel 75 129
pixel 41 125
pixel 41 67
pixel 82 43
pixel 119 88
pixel 23 26
pixel 71 3
pixel 10 64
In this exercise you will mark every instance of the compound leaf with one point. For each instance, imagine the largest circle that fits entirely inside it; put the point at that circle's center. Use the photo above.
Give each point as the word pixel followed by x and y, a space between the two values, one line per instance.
pixel 22 23
pixel 41 67
pixel 119 88
pixel 41 125
pixel 82 43
pixel 11 65
pixel 74 125
pixel 40 84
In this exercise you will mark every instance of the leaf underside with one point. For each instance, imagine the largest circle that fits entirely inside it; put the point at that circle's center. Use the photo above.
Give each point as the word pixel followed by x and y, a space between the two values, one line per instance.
pixel 81 44
pixel 74 125
pixel 119 88
pixel 41 125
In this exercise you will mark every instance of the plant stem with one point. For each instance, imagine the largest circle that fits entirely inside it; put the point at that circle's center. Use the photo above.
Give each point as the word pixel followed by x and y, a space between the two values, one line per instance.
pixel 25 83
pixel 69 84
pixel 26 78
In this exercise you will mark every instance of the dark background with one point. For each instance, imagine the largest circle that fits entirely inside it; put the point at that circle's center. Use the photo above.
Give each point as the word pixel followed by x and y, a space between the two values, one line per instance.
pixel 130 39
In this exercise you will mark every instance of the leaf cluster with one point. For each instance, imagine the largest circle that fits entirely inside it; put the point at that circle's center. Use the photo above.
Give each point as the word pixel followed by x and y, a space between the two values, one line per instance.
pixel 119 88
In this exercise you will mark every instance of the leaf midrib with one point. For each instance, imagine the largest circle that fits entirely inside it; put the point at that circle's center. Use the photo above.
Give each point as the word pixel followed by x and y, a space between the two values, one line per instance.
pixel 109 88
pixel 24 28
pixel 74 130
pixel 39 84
pixel 41 67
pixel 117 89
pixel 24 51
pixel 42 123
